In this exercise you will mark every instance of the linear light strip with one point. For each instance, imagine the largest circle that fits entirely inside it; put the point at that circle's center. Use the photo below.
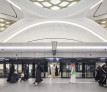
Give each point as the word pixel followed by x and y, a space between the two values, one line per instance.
pixel 14 4
pixel 25 47
pixel 49 47
pixel 46 22
pixel 80 47
pixel 96 4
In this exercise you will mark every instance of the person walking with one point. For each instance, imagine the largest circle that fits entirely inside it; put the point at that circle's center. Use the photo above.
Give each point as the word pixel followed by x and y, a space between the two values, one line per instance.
pixel 73 74
pixel 38 78
pixel 49 70
pixel 26 72
pixel 11 72
pixel 56 71
pixel 97 77
pixel 103 75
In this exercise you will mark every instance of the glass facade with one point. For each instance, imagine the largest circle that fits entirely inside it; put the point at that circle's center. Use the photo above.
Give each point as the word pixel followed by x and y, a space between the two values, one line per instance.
pixel 30 70
pixel 1 70
pixel 79 69
pixel 19 68
pixel 85 68
pixel 90 70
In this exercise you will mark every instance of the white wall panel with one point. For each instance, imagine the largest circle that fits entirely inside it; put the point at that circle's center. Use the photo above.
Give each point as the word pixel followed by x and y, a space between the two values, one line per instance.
pixel 88 51
pixel 89 55
pixel 17 54
pixel 27 55
pixel 77 55
pixel 5 54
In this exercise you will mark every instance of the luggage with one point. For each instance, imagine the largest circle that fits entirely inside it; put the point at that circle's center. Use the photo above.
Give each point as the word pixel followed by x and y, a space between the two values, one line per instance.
pixel 14 78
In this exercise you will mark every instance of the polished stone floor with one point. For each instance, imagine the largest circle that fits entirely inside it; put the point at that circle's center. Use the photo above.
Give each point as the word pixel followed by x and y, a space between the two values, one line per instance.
pixel 52 85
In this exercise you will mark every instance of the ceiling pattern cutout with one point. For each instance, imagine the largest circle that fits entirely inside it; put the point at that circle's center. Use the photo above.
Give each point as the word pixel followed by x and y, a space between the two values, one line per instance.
pixel 54 4
pixel 102 22
pixel 5 23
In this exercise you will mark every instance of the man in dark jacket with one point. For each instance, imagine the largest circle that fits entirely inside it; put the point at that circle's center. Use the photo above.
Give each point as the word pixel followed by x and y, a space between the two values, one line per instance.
pixel 103 73
pixel 97 77
pixel 26 72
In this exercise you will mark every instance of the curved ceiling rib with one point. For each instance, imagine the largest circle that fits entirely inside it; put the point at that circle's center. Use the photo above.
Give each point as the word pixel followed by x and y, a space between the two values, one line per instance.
pixel 46 22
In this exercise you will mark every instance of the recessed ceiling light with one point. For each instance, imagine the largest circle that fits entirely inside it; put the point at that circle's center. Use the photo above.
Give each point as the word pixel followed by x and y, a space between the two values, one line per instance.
pixel 2 20
pixel 7 22
pixel 64 4
pixel 1 24
pixel 38 4
pixel 73 3
pixel 55 8
pixel 7 25
pixel 2 29
pixel 104 21
pixel 55 1
pixel 47 4
pixel 38 0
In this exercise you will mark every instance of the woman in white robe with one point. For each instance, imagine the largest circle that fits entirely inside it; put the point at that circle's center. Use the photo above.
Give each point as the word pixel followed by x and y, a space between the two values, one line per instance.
pixel 73 74
pixel 53 71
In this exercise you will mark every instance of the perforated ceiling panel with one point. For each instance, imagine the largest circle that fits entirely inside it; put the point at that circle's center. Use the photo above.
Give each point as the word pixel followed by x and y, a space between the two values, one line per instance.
pixel 55 4
pixel 5 23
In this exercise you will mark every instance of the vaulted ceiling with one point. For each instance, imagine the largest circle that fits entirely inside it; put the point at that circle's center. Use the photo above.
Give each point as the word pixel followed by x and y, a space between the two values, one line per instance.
pixel 10 14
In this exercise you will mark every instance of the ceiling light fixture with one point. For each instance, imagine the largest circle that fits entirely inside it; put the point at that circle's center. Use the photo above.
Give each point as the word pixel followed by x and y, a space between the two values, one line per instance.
pixel 82 47
pixel 104 21
pixel 46 22
pixel 25 47
pixel 49 47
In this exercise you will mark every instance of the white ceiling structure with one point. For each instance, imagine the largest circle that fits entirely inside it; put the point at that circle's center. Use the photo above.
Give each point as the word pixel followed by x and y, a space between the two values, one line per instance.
pixel 36 24
pixel 44 50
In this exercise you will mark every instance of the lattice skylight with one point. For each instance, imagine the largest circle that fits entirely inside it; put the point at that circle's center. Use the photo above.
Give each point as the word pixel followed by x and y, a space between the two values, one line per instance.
pixel 54 4
pixel 5 23
pixel 102 22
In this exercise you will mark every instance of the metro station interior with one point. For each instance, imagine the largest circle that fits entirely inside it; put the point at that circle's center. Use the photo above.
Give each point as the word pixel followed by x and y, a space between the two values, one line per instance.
pixel 54 33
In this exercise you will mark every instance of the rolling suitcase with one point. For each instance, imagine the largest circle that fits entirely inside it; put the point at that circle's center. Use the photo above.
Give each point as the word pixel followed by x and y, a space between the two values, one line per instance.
pixel 13 78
